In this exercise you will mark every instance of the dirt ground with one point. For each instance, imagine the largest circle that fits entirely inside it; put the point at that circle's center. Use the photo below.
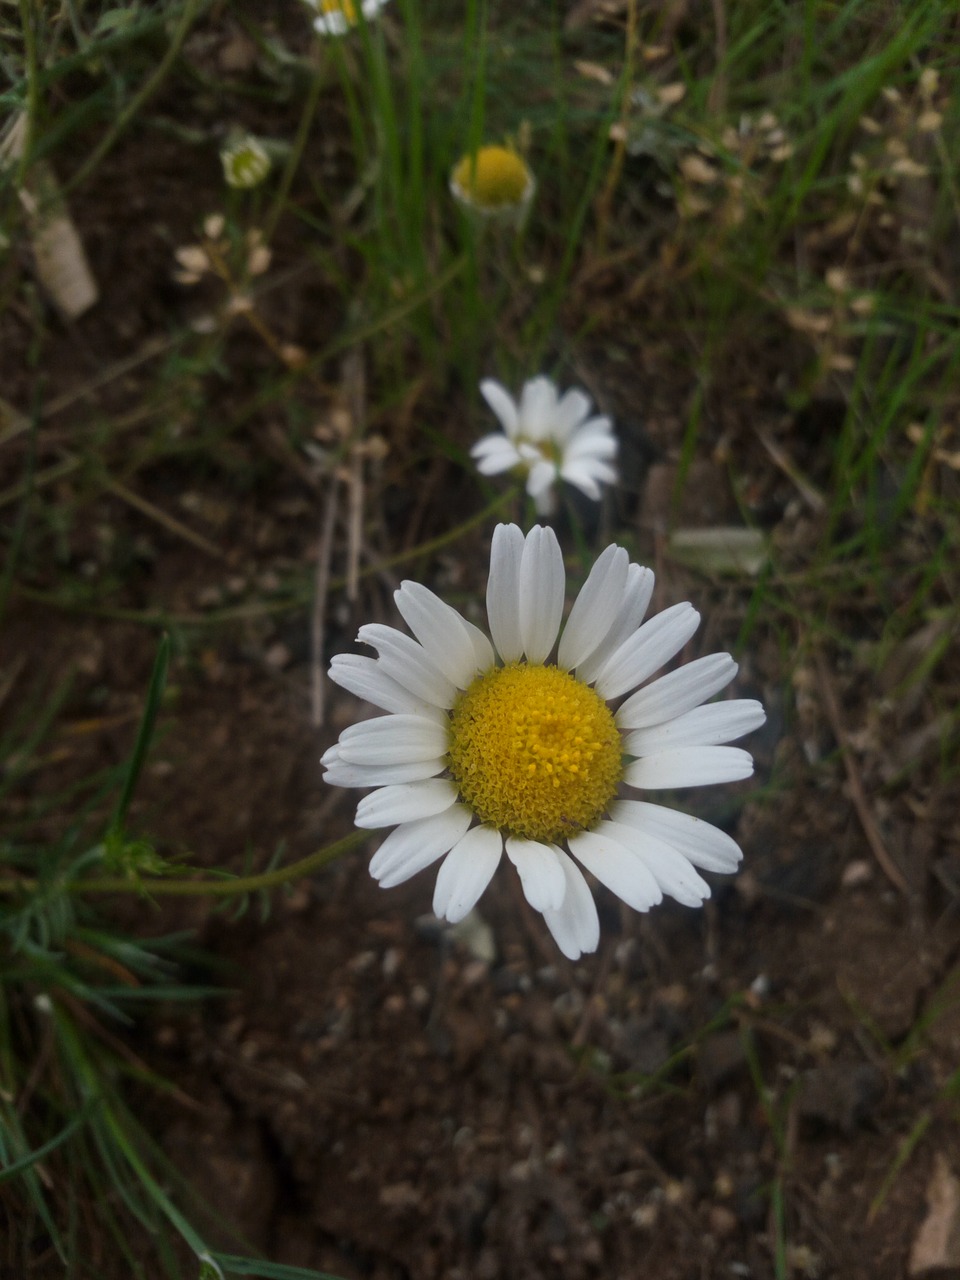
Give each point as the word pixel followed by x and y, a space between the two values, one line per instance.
pixel 721 1093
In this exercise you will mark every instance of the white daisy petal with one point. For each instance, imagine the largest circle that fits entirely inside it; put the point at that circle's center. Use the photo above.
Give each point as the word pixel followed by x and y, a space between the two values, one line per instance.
pixel 465 872
pixel 671 870
pixel 405 802
pixel 647 650
pixel 364 677
pixel 393 740
pixel 591 442
pixel 503 591
pixel 441 631
pixel 579 476
pixel 541 477
pixel 409 664
pixel 415 845
pixel 495 454
pixel 495 442
pixel 576 925
pixel 617 867
pixel 538 405
pixel 594 469
pixel 333 24
pixel 340 774
pixel 541 874
pixel 595 607
pixel 702 727
pixel 631 611
pixel 545 503
pixel 572 410
pixel 483 654
pixel 677 692
pixel 701 843
pixel 502 404
pixel 542 581
pixel 689 767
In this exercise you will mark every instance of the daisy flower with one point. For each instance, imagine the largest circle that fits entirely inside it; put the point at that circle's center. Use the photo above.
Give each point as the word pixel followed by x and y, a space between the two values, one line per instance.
pixel 245 162
pixel 494 182
pixel 337 17
pixel 498 747
pixel 547 437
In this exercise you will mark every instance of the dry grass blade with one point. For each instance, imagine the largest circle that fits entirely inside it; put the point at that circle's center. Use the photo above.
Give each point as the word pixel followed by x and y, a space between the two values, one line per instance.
pixel 318 622
pixel 355 388
pixel 808 491
pixel 169 522
pixel 857 794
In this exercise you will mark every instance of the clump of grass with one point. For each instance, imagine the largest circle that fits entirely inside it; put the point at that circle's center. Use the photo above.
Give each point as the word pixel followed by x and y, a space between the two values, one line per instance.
pixel 78 1168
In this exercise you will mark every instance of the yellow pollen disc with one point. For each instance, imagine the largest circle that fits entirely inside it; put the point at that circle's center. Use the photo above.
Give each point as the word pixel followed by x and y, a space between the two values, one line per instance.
pixel 534 752
pixel 346 7
pixel 493 177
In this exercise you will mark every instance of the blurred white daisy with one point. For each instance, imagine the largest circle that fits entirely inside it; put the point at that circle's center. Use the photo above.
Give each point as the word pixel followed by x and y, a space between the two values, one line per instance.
pixel 337 17
pixel 547 438
pixel 492 747
pixel 494 182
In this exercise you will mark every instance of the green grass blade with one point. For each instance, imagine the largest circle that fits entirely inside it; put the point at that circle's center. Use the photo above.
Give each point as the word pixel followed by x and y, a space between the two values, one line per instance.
pixel 25 1162
pixel 158 681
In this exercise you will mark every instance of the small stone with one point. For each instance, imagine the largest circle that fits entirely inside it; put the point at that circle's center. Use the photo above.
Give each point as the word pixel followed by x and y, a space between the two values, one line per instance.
pixel 278 657
pixel 722 1221
pixel 475 973
pixel 936 1247
pixel 401 1195
pixel 841 1095
pixel 721 1057
pixel 645 1216
pixel 855 874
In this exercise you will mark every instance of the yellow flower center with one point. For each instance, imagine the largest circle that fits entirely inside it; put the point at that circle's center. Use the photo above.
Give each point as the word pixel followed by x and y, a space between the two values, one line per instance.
pixel 534 752
pixel 345 7
pixel 492 177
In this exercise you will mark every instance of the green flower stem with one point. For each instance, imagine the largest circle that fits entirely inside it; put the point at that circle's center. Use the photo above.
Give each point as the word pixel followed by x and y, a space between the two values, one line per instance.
pixel 295 156
pixel 434 544
pixel 158 887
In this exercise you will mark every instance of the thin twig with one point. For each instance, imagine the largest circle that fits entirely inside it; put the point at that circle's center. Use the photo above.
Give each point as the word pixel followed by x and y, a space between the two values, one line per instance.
pixel 857 793
pixel 355 385
pixel 169 522
pixel 321 589
pixel 808 491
